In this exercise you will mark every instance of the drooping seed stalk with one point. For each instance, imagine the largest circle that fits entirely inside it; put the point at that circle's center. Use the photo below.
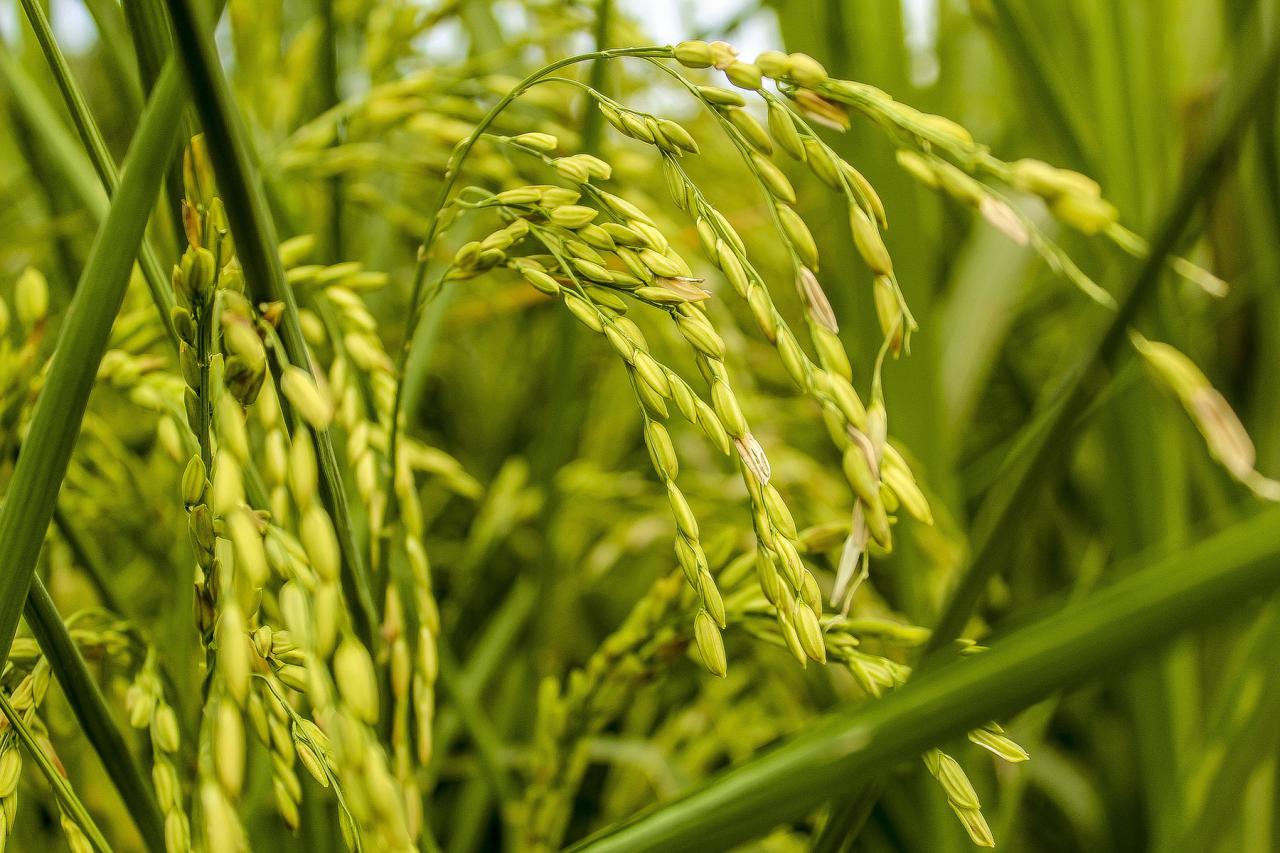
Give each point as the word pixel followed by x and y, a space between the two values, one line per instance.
pixel 256 241
pixel 59 410
pixel 419 296
pixel 1046 439
pixel 1196 586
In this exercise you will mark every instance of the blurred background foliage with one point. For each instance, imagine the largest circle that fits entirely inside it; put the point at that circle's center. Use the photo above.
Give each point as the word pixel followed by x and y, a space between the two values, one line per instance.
pixel 558 527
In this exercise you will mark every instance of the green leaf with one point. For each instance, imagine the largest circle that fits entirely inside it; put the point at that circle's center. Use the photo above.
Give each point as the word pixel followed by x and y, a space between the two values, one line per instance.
pixel 91 138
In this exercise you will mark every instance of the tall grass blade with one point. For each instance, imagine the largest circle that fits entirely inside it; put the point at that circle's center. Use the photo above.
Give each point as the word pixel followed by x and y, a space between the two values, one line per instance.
pixel 96 147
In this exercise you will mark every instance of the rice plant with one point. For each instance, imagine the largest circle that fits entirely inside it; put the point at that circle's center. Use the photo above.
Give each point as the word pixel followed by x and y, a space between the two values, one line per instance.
pixel 466 426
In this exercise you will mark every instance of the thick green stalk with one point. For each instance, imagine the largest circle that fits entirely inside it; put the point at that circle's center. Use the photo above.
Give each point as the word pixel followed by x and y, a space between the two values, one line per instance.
pixel 96 147
pixel 55 424
pixel 82 340
pixel 149 28
pixel 256 246
pixel 1192 587
pixel 592 118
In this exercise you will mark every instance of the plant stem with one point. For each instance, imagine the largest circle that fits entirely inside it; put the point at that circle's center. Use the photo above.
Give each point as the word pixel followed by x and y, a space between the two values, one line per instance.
pixel 256 246
pixel 592 118
pixel 82 340
pixel 43 460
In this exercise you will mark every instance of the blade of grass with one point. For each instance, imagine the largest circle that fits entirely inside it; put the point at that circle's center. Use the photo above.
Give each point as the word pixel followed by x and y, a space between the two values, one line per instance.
pixel 61 787
pixel 55 424
pixel 82 340
pixel 1189 588
pixel 256 246
pixel 149 28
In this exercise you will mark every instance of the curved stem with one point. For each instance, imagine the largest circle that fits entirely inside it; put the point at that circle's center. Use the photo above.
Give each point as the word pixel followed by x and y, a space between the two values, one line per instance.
pixel 454 169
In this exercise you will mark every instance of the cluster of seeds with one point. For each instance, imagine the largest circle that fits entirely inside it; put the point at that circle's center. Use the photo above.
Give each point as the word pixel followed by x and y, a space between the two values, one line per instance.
pixel 250 532
pixel 594 696
pixel 19 365
pixel 149 710
pixel 29 668
pixel 600 254
pixel 27 675
pixel 278 599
